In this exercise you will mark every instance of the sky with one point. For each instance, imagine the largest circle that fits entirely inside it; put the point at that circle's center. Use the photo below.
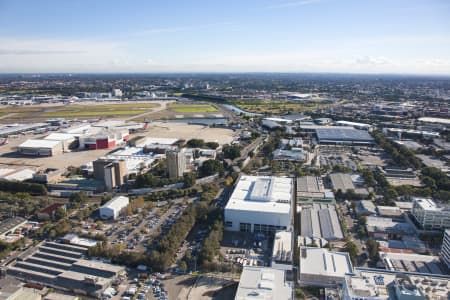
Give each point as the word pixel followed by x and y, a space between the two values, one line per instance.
pixel 152 36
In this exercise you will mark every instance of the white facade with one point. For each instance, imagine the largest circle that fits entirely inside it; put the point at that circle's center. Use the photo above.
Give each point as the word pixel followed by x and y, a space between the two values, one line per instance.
pixel 260 204
pixel 113 207
pixel 263 283
pixel 429 215
pixel 445 251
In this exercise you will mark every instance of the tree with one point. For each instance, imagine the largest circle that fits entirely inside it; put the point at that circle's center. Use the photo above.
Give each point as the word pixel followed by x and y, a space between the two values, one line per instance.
pixel 210 167
pixel 231 152
pixel 195 143
pixel 189 180
pixel 60 213
pixel 79 197
pixel 352 250
pixel 372 249
pixel 212 145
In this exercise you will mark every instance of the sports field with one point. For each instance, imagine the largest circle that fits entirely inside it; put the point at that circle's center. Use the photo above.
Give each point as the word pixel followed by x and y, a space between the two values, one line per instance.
pixel 76 110
pixel 192 108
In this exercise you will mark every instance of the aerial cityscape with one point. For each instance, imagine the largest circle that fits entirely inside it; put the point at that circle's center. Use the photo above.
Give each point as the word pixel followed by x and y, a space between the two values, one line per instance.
pixel 220 150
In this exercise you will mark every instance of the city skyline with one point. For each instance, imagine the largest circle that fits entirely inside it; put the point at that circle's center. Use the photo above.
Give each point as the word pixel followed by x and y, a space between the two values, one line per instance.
pixel 402 37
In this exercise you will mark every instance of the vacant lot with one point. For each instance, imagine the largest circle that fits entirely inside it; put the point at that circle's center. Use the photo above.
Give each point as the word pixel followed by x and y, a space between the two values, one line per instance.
pixel 187 132
pixel 192 108
pixel 90 110
pixel 276 107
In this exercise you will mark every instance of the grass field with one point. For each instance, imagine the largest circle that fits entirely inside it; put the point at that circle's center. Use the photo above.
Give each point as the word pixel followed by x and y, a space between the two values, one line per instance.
pixel 275 107
pixel 74 111
pixel 192 108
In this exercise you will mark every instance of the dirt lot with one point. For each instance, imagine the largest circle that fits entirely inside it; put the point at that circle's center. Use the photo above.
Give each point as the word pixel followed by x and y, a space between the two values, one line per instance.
pixel 187 132
pixel 206 288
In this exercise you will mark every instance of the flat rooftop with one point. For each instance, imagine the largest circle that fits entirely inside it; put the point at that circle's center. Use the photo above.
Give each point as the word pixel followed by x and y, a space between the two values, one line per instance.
pixel 262 194
pixel 343 134
pixel 263 283
pixel 377 283
pixel 429 204
pixel 39 143
pixel 320 261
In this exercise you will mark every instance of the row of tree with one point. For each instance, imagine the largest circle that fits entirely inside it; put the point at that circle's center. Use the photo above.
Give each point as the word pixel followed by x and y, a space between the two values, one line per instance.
pixel 401 155
pixel 211 245
pixel 161 258
pixel 36 189
pixel 199 143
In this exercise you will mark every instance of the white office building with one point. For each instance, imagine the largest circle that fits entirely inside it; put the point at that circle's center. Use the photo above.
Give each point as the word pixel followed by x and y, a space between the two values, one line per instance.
pixel 445 251
pixel 112 208
pixel 429 215
pixel 260 204
pixel 263 283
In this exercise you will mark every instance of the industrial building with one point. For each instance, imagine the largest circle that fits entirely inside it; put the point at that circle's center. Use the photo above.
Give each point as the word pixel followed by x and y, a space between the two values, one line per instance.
pixel 62 267
pixel 341 181
pixel 112 208
pixel 323 268
pixel 176 163
pixel 320 221
pixel 366 208
pixel 361 126
pixel 343 136
pixel 13 129
pixel 68 141
pixel 310 189
pixel 445 250
pixel 282 252
pixel 295 154
pixel 36 147
pixel 429 215
pixel 260 204
pixel 411 262
pixel 375 284
pixel 387 228
pixel 112 172
pixel 104 139
pixel 264 283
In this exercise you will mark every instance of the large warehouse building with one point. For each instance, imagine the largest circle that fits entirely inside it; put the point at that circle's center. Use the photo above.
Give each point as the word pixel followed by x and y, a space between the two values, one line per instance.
pixel 112 208
pixel 343 136
pixel 260 204
pixel 320 221
pixel 62 266
pixel 35 147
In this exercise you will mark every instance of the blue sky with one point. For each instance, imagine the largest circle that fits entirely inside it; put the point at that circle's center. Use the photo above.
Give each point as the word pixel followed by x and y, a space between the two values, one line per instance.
pixel 356 36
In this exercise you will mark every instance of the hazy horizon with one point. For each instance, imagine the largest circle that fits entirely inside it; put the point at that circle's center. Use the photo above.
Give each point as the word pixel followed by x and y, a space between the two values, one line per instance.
pixel 403 37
